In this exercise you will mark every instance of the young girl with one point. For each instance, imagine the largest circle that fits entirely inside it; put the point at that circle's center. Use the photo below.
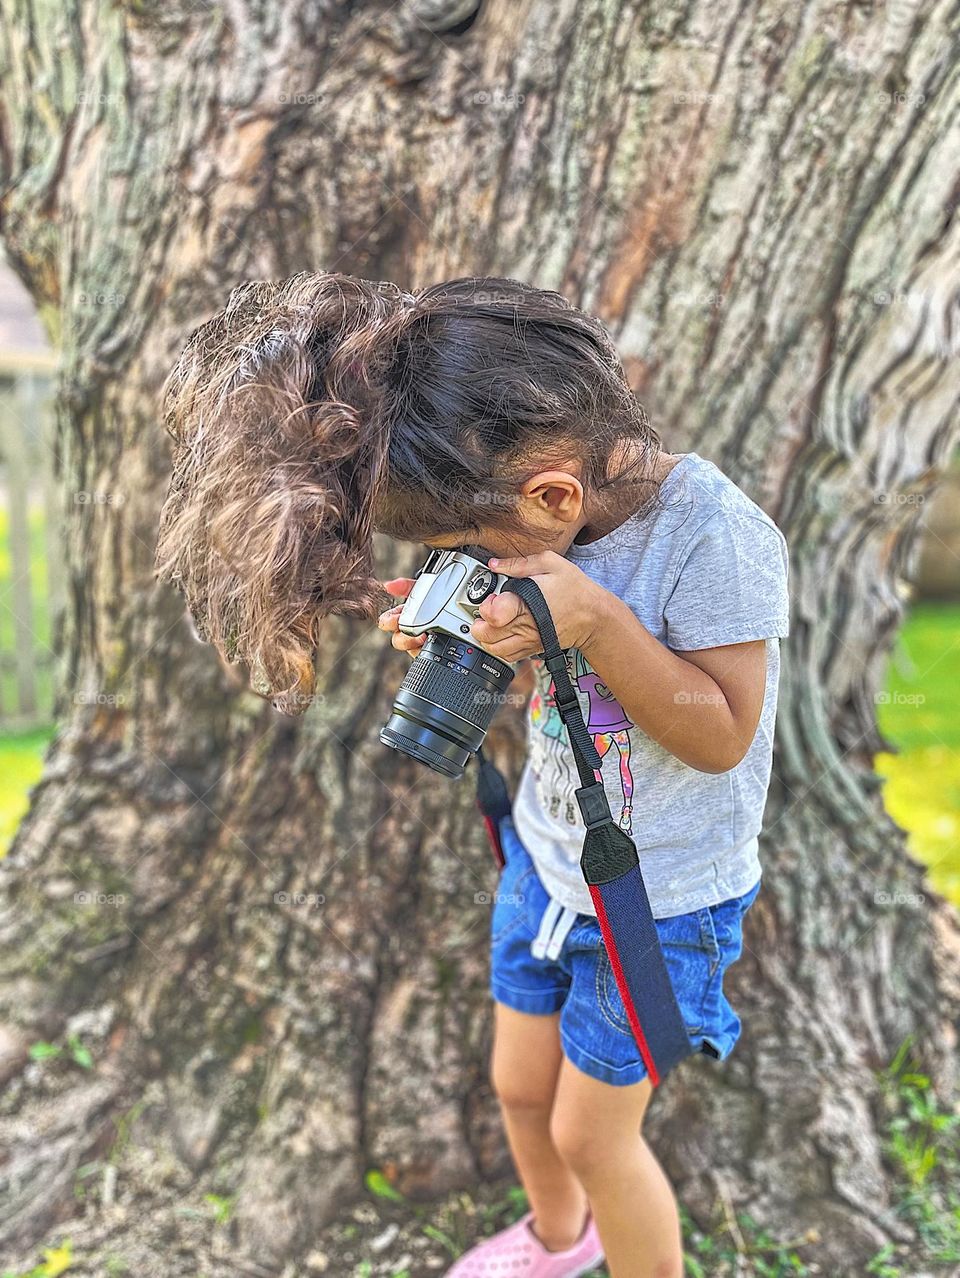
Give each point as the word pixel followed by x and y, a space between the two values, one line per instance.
pixel 310 414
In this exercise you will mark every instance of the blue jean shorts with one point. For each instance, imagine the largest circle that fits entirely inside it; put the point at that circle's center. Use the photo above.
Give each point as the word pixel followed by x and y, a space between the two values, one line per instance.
pixel 579 983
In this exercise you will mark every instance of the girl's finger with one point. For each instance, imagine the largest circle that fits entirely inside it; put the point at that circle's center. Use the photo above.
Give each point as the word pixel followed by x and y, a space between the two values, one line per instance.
pixel 504 646
pixel 399 587
pixel 408 643
pixel 502 610
pixel 522 565
pixel 487 632
pixel 390 619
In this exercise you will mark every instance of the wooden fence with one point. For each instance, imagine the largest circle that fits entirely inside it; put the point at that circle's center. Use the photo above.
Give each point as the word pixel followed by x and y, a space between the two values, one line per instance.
pixel 31 551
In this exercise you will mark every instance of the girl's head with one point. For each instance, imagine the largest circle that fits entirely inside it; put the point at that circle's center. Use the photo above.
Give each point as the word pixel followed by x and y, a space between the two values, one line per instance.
pixel 312 412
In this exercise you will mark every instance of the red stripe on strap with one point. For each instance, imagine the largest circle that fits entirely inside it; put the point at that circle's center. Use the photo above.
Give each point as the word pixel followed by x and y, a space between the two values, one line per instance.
pixel 493 835
pixel 621 980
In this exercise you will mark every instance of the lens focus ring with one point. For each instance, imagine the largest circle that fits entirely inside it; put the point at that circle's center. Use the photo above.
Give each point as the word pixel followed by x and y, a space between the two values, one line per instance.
pixel 461 694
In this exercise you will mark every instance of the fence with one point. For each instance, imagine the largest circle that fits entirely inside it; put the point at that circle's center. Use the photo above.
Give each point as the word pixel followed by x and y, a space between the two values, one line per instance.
pixel 31 550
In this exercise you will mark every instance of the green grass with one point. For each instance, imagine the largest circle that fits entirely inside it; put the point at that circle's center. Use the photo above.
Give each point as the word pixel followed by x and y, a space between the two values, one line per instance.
pixel 920 713
pixel 922 1141
pixel 21 762
pixel 21 750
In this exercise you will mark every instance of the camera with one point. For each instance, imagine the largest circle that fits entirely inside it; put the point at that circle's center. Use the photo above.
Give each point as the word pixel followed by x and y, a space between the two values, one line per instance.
pixel 452 690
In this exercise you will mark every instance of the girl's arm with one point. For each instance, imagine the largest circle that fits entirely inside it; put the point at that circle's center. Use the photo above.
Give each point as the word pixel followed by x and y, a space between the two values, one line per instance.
pixel 703 706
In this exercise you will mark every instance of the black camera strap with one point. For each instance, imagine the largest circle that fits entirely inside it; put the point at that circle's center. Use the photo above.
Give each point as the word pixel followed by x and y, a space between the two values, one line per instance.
pixel 610 867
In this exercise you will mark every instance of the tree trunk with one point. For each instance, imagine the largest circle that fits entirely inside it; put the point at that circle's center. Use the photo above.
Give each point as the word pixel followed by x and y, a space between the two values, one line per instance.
pixel 265 931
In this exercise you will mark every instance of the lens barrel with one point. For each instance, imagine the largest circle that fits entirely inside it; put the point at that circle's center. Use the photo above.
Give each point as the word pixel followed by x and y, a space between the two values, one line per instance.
pixel 445 704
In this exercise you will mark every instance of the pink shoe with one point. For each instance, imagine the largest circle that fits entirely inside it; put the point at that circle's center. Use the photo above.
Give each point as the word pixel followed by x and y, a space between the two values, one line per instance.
pixel 518 1253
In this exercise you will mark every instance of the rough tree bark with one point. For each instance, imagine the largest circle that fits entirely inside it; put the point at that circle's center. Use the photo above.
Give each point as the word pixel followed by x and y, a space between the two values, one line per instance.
pixel 761 203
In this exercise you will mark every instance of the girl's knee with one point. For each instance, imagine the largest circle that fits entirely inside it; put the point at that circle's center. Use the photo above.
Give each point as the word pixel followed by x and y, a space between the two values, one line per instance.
pixel 585 1149
pixel 596 1126
pixel 518 1092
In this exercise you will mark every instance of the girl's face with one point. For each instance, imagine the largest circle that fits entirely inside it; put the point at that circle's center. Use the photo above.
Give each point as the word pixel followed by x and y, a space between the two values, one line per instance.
pixel 549 505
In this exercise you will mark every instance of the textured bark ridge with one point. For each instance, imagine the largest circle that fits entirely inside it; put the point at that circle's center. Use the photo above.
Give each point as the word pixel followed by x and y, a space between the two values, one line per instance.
pixel 266 932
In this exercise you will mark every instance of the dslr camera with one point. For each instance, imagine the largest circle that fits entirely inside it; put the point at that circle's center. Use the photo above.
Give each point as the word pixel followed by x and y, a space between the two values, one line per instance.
pixel 453 687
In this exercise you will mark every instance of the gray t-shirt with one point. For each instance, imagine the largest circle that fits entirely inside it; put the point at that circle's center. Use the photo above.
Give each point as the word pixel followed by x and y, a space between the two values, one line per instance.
pixel 703 567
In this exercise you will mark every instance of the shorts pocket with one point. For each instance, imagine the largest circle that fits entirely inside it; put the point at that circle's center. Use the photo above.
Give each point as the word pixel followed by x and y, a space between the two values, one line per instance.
pixel 722 1024
pixel 510 898
pixel 692 954
pixel 726 922
pixel 709 940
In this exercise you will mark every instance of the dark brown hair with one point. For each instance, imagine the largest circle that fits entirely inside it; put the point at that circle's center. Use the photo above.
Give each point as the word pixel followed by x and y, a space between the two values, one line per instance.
pixel 312 412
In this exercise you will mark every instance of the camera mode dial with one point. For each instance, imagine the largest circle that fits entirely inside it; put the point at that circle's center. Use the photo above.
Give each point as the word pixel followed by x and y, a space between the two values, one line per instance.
pixel 482 583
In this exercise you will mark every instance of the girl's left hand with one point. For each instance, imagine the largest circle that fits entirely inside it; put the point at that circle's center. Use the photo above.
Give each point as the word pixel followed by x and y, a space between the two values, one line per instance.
pixel 506 627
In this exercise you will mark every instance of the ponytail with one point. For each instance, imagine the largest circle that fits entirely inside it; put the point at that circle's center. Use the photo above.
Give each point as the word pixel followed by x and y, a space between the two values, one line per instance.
pixel 280 447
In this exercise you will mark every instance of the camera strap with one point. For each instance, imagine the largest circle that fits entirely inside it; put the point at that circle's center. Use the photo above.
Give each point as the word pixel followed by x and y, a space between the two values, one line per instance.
pixel 610 867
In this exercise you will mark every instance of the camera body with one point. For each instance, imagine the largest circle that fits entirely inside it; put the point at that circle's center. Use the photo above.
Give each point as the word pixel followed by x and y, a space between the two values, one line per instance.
pixel 453 687
pixel 448 590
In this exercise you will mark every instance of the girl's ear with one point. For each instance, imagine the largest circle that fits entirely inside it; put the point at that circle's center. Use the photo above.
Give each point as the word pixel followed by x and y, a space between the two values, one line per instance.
pixel 555 492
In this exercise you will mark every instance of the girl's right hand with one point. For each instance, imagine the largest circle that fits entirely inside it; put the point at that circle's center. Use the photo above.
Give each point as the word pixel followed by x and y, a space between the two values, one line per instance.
pixel 400 587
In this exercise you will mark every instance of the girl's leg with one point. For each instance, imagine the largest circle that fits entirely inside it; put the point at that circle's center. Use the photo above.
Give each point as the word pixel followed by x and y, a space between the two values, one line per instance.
pixel 596 1128
pixel 526 1065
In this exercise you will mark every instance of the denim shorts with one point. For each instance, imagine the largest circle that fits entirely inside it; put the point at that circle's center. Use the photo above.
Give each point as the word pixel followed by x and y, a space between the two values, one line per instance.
pixel 579 983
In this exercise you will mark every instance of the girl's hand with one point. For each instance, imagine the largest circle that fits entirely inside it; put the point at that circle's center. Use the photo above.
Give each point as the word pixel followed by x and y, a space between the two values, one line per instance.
pixel 506 627
pixel 400 587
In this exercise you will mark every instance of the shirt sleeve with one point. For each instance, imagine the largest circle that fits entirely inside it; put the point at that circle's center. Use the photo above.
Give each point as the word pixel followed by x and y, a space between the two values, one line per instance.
pixel 732 584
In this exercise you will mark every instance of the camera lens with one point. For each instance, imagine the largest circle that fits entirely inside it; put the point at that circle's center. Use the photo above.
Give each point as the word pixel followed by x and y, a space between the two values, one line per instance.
pixel 445 704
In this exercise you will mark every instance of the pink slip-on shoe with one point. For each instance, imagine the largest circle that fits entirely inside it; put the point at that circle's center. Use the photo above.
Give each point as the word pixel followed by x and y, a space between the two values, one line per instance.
pixel 518 1253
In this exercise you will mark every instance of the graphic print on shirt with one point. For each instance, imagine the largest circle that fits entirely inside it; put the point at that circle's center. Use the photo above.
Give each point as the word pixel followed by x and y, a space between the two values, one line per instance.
pixel 551 758
pixel 549 752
